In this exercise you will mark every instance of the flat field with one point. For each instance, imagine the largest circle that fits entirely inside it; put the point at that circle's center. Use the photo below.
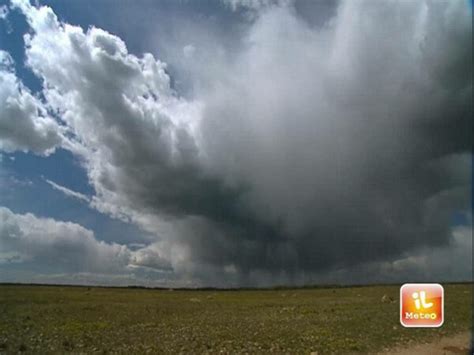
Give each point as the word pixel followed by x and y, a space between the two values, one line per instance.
pixel 55 319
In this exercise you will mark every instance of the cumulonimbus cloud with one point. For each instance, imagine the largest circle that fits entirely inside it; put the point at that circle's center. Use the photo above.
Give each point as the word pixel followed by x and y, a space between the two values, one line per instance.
pixel 318 148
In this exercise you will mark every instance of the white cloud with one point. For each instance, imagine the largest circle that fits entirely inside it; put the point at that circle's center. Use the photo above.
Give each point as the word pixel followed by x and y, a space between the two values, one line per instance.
pixel 54 246
pixel 150 257
pixel 60 245
pixel 24 122
pixel 120 108
pixel 188 51
pixel 3 12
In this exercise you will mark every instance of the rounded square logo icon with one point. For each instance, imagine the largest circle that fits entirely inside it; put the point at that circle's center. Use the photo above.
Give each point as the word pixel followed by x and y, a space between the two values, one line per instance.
pixel 422 305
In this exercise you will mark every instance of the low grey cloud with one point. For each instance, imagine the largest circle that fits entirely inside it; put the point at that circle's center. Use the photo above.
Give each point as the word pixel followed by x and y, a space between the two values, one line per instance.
pixel 319 149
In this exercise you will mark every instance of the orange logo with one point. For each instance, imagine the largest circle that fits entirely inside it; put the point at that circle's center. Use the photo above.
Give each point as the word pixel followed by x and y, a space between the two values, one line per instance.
pixel 422 305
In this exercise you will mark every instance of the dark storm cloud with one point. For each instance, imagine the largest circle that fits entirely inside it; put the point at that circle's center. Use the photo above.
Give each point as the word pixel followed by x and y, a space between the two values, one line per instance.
pixel 338 131
pixel 313 147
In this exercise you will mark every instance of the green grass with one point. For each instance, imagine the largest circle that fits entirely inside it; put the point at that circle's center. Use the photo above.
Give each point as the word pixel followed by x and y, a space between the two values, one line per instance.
pixel 42 319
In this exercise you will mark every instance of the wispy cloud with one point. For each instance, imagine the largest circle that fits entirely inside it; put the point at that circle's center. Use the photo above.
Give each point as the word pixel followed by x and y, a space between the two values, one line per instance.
pixel 69 192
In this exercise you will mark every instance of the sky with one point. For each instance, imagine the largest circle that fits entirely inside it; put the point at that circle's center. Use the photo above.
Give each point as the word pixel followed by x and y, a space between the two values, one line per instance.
pixel 234 143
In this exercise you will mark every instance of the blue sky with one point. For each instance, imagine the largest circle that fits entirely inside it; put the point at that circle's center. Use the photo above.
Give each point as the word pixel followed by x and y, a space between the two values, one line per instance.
pixel 251 148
